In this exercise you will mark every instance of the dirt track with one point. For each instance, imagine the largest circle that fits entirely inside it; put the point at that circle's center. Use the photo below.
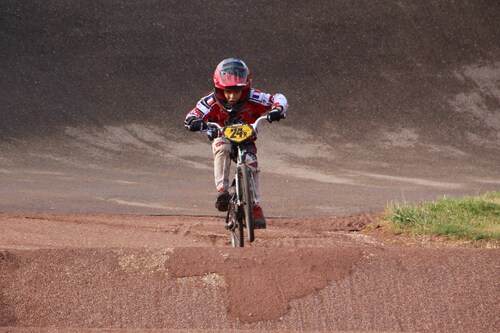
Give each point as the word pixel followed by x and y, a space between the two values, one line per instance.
pixel 140 272
pixel 390 101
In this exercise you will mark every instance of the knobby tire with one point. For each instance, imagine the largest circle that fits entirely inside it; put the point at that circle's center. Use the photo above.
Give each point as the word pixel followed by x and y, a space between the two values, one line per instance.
pixel 237 237
pixel 247 201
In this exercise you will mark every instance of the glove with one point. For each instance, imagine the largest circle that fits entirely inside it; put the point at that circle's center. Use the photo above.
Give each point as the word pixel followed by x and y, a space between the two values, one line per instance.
pixel 188 121
pixel 196 125
pixel 275 115
pixel 212 134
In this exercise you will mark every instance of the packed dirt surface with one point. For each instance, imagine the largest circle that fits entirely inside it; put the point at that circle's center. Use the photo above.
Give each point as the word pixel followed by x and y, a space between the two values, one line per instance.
pixel 141 272
pixel 107 219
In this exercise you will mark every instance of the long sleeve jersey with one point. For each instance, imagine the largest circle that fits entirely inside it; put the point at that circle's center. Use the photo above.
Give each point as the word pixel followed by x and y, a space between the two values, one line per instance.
pixel 258 103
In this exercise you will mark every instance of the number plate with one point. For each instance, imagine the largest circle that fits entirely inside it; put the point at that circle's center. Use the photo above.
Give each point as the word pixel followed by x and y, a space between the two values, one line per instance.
pixel 238 133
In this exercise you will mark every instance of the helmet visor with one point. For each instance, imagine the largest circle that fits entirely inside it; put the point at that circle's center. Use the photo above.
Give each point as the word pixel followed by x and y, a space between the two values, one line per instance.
pixel 233 75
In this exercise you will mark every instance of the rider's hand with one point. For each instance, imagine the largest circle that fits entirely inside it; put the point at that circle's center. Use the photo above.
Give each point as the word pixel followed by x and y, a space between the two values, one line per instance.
pixel 189 120
pixel 275 115
pixel 196 125
pixel 212 134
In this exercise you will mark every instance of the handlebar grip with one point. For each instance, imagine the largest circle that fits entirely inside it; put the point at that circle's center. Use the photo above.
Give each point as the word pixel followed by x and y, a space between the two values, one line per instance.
pixel 275 115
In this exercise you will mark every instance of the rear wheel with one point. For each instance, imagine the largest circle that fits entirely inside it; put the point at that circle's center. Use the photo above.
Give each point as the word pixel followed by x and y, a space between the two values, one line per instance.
pixel 247 202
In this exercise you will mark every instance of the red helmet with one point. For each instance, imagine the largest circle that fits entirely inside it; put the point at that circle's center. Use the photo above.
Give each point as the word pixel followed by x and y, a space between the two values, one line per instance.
pixel 231 74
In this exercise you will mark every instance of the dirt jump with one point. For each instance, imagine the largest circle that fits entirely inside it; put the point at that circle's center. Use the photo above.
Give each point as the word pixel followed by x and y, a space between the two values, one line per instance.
pixel 107 218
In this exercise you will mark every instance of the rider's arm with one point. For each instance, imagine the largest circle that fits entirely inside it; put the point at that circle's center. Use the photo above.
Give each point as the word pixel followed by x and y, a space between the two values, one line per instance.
pixel 269 101
pixel 195 118
pixel 278 108
pixel 280 103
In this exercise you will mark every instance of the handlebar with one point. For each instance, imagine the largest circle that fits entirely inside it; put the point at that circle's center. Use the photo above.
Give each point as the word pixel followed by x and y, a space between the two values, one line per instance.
pixel 255 125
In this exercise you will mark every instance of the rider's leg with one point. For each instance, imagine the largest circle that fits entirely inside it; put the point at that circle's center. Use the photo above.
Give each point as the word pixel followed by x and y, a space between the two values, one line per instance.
pixel 258 214
pixel 222 163
pixel 253 165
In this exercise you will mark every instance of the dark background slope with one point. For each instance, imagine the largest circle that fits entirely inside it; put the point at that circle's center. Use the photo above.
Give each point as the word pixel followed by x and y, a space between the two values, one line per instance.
pixel 394 82
pixel 354 64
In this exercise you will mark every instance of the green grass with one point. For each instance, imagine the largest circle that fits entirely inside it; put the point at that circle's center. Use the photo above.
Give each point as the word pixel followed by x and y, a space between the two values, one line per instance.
pixel 470 218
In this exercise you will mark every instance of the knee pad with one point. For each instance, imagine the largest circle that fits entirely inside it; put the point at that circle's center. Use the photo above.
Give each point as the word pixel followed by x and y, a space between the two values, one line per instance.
pixel 220 146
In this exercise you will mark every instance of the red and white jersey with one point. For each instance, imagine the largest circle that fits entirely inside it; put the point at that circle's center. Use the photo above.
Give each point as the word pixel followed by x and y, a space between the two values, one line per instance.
pixel 258 103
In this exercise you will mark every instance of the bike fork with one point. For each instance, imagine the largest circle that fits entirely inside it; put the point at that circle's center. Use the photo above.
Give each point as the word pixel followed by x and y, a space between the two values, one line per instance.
pixel 237 186
pixel 252 185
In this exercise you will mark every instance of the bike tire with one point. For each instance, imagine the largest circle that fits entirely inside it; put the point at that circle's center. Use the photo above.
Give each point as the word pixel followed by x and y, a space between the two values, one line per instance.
pixel 240 235
pixel 235 227
pixel 247 202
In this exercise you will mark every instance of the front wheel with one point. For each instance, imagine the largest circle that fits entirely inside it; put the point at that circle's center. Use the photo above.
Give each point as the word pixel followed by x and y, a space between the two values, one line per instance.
pixel 247 201
pixel 235 226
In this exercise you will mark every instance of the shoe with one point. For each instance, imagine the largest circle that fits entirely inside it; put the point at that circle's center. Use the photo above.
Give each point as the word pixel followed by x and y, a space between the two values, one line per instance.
pixel 259 222
pixel 222 201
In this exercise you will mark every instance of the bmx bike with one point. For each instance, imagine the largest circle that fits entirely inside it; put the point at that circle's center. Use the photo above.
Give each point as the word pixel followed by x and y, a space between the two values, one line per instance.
pixel 242 190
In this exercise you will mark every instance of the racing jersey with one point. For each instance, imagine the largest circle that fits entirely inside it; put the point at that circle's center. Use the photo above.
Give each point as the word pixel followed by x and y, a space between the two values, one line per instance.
pixel 258 103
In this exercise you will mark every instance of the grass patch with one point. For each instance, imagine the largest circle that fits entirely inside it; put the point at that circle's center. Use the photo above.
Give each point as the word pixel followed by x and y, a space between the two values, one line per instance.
pixel 470 218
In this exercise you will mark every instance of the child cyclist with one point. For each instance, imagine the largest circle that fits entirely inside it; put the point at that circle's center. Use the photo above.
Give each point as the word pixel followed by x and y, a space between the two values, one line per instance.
pixel 234 100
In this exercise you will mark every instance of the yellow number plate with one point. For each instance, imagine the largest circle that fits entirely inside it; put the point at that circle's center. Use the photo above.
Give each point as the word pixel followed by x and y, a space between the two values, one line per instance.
pixel 238 133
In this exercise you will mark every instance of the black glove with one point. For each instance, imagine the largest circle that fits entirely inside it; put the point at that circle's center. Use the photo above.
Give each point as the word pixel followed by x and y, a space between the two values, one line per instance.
pixel 212 134
pixel 196 125
pixel 275 115
pixel 188 121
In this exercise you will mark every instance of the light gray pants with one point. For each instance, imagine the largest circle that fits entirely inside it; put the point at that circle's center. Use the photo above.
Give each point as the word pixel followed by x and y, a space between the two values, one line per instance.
pixel 221 149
